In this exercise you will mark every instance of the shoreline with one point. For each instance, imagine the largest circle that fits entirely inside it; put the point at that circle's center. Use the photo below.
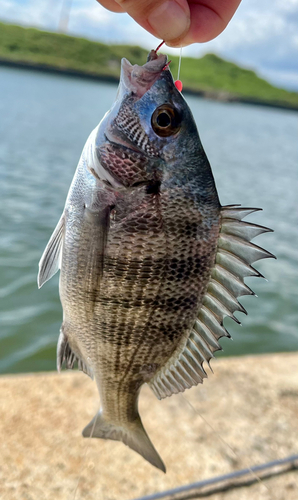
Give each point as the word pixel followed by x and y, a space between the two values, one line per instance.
pixel 219 96
pixel 243 415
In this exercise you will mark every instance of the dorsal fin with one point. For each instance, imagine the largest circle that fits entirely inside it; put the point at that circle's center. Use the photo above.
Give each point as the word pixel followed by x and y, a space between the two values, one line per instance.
pixel 235 254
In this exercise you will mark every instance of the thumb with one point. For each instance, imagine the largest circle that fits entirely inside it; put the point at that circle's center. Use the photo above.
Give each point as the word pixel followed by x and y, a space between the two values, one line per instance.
pixel 165 19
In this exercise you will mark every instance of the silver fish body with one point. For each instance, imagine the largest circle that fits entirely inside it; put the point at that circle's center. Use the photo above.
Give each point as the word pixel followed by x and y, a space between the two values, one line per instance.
pixel 150 261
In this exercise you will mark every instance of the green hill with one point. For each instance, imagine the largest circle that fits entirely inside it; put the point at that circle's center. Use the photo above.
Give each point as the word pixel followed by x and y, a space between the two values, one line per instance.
pixel 210 75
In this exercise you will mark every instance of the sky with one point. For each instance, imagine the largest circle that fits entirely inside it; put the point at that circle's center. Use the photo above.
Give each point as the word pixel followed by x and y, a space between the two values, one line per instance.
pixel 263 34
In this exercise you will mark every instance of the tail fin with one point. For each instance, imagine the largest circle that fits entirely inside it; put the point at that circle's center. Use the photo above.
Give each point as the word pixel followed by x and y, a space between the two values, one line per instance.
pixel 132 434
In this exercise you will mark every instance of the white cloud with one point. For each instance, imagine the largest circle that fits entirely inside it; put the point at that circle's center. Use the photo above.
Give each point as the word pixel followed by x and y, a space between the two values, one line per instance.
pixel 90 19
pixel 43 14
pixel 94 15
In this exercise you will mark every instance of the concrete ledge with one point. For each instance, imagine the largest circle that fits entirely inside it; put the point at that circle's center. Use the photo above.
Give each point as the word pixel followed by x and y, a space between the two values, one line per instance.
pixel 245 414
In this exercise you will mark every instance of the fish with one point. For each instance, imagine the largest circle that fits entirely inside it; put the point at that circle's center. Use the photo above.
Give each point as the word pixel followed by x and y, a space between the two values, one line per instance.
pixel 150 261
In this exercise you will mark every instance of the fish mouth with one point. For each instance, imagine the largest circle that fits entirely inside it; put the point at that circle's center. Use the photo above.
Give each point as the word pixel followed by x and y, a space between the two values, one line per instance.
pixel 139 79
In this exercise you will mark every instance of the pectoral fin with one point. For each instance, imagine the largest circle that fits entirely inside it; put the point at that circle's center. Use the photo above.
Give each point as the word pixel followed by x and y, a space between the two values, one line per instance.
pixel 51 257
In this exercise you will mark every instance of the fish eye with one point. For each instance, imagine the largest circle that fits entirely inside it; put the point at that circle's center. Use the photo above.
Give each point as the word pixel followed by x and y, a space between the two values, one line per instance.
pixel 165 121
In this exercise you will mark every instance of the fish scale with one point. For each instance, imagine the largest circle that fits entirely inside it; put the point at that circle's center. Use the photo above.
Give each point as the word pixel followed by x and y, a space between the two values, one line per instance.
pixel 170 286
pixel 150 262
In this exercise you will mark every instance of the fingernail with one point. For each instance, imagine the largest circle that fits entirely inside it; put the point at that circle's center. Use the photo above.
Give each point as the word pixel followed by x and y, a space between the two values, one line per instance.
pixel 169 20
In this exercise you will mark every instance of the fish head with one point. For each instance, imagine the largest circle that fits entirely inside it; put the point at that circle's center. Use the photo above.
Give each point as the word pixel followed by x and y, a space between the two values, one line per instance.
pixel 150 131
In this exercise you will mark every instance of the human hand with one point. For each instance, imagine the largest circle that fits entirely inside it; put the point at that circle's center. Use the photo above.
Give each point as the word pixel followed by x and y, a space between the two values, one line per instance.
pixel 178 22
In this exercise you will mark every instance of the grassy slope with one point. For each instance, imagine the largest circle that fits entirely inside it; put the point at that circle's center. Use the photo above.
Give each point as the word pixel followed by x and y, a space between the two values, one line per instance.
pixel 210 73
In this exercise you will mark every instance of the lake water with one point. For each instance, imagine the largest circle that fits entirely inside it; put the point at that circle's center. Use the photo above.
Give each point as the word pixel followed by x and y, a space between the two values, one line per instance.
pixel 44 123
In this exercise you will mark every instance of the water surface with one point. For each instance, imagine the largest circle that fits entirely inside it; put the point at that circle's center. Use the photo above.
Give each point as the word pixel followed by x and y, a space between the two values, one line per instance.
pixel 44 123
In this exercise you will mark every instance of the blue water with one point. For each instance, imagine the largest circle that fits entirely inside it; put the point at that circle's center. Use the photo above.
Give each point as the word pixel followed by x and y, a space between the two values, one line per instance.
pixel 44 123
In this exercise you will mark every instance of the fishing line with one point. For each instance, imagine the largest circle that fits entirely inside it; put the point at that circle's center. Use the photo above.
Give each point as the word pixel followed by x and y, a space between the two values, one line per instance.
pixel 253 473
pixel 179 64
pixel 178 83
pixel 85 454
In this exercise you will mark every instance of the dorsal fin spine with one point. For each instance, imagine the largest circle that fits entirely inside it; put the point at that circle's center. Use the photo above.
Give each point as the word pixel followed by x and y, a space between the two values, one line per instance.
pixel 224 295
pixel 188 369
pixel 244 230
pixel 230 281
pixel 194 364
pixel 177 375
pixel 229 261
pixel 194 374
pixel 249 252
pixel 206 334
pixel 194 345
pixel 162 386
pixel 175 382
pixel 218 308
pixel 168 386
pixel 183 373
pixel 207 317
pixel 197 356
pixel 202 346
pixel 232 212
